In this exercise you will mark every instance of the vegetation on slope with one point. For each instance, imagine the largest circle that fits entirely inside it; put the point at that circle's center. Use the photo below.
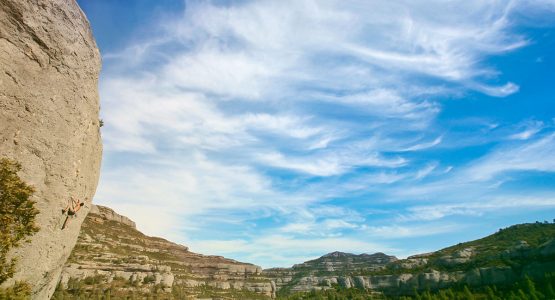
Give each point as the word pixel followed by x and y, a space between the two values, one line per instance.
pixel 121 289
pixel 527 289
pixel 116 244
pixel 112 244
pixel 515 250
pixel 17 222
pixel 491 251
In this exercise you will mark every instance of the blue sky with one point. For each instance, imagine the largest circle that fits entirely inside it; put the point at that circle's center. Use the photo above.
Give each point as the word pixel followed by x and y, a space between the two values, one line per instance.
pixel 274 132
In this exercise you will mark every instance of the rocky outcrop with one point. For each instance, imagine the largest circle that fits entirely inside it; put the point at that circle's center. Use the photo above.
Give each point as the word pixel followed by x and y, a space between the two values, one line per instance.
pixel 405 283
pixel 500 259
pixel 340 261
pixel 328 270
pixel 111 254
pixel 110 249
pixel 109 214
pixel 49 67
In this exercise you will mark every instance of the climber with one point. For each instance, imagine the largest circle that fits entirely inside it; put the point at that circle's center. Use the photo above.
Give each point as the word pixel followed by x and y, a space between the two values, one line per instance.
pixel 73 206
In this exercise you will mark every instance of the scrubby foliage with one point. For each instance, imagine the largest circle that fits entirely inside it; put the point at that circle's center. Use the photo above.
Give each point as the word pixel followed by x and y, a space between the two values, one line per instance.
pixel 527 289
pixel 17 214
pixel 149 279
pixel 19 291
pixel 126 289
pixel 119 288
pixel 489 251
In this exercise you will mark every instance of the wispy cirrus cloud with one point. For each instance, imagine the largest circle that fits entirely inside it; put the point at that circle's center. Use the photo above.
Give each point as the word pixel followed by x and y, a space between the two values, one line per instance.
pixel 536 155
pixel 505 202
pixel 263 124
pixel 529 129
pixel 285 249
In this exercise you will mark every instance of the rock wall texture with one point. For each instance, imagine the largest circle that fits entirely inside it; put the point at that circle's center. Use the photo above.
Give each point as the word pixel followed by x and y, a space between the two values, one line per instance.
pixel 328 270
pixel 106 213
pixel 49 67
pixel 403 283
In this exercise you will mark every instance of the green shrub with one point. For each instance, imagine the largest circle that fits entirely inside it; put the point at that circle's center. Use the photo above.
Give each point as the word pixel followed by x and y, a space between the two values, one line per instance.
pixel 96 279
pixel 149 279
pixel 17 214
pixel 19 291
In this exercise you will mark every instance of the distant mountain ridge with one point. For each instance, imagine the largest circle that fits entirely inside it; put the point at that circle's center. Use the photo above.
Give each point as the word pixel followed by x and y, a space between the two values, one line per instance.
pixel 344 260
pixel 111 255
pixel 378 256
pixel 315 273
pixel 502 258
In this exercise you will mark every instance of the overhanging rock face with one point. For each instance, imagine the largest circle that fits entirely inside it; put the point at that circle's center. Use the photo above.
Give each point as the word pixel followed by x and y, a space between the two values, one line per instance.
pixel 49 67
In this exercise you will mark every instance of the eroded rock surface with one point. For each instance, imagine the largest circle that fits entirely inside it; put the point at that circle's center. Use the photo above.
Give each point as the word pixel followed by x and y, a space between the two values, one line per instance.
pixel 110 249
pixel 109 214
pixel 500 259
pixel 112 254
pixel 49 67
pixel 331 269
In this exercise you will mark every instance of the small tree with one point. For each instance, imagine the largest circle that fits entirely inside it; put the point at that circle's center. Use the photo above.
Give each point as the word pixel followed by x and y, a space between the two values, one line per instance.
pixel 467 293
pixel 17 214
pixel 490 293
pixel 19 291
pixel 531 287
pixel 149 279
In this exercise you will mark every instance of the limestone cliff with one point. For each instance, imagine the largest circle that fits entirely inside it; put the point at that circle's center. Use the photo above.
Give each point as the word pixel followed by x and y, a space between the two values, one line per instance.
pixel 331 269
pixel 500 259
pixel 112 255
pixel 49 67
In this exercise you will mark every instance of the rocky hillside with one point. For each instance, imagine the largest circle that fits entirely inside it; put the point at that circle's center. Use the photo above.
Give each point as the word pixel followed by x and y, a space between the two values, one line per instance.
pixel 49 66
pixel 346 262
pixel 328 270
pixel 500 259
pixel 112 255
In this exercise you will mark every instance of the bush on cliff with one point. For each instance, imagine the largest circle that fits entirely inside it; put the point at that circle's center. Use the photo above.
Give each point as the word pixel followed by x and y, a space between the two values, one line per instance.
pixel 19 291
pixel 17 214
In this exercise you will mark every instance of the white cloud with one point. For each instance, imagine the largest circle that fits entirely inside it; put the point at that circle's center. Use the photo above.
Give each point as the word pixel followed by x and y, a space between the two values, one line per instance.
pixel 424 145
pixel 201 117
pixel 385 103
pixel 426 170
pixel 317 167
pixel 225 74
pixel 285 250
pixel 326 227
pixel 477 179
pixel 329 164
pixel 500 203
pixel 536 155
pixel 286 125
pixel 184 191
pixel 412 231
pixel 497 91
pixel 529 129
